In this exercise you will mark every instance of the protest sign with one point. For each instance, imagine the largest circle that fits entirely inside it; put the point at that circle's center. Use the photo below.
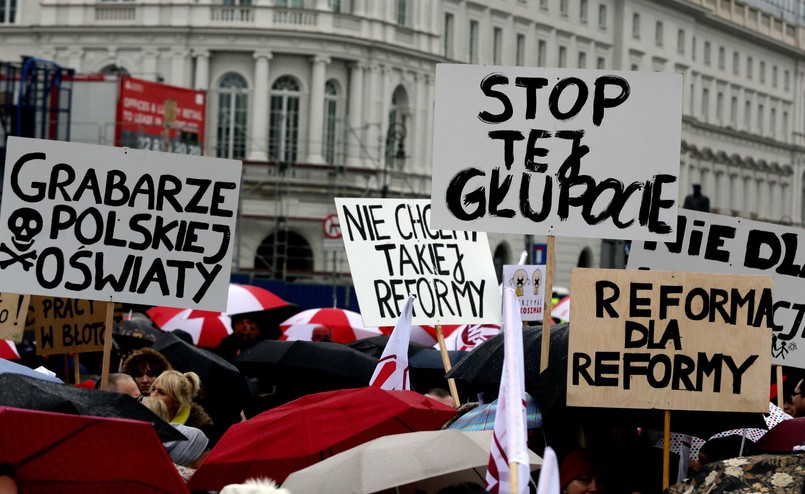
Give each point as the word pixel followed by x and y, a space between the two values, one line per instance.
pixel 669 340
pixel 117 224
pixel 528 284
pixel 393 251
pixel 556 151
pixel 714 243
pixel 13 308
pixel 66 325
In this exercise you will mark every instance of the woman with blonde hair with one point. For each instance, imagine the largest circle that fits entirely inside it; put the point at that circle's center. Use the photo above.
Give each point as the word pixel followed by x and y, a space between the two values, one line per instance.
pixel 177 391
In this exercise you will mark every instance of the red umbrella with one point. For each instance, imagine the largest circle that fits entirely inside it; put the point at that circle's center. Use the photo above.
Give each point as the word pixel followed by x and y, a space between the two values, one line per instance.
pixel 8 350
pixel 293 436
pixel 346 326
pixel 206 327
pixel 55 452
pixel 783 437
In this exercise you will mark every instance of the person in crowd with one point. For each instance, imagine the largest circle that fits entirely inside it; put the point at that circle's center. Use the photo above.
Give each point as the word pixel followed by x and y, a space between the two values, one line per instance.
pixel 581 473
pixel 189 454
pixel 798 400
pixel 246 331
pixel 321 333
pixel 144 366
pixel 122 383
pixel 441 395
pixel 8 479
pixel 177 391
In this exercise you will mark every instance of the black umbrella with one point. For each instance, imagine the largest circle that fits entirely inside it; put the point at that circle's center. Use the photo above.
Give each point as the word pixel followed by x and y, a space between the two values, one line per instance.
pixel 133 334
pixel 298 368
pixel 375 345
pixel 225 391
pixel 426 369
pixel 20 391
pixel 484 366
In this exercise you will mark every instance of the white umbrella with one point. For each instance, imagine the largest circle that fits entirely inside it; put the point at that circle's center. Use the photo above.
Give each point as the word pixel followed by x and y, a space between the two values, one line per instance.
pixel 402 463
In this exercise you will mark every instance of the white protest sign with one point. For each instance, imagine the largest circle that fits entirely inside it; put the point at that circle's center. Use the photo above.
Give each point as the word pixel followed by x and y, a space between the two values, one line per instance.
pixel 527 282
pixel 393 251
pixel 712 243
pixel 668 340
pixel 117 224
pixel 556 151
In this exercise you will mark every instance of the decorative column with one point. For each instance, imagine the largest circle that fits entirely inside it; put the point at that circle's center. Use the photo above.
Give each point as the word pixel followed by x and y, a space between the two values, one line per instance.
pixel 419 126
pixel 354 114
pixel 316 120
pixel 258 130
pixel 178 59
pixel 202 75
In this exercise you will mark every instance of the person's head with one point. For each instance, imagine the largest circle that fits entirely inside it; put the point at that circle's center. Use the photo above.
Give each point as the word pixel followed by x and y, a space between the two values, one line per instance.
pixel 176 390
pixel 254 486
pixel 186 453
pixel 580 473
pixel 245 329
pixel 157 406
pixel 8 479
pixel 798 400
pixel 441 395
pixel 322 333
pixel 144 366
pixel 123 383
pixel 697 189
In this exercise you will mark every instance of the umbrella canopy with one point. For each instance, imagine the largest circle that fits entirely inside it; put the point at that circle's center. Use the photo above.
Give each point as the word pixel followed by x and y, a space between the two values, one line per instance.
pixel 783 437
pixel 561 310
pixel 302 367
pixel 346 325
pixel 426 461
pixel 485 363
pixel 8 350
pixel 225 391
pixel 375 345
pixel 340 334
pixel 206 327
pixel 6 366
pixel 135 333
pixel 482 417
pixel 302 432
pixel 55 452
pixel 761 473
pixel 469 336
pixel 249 298
pixel 36 394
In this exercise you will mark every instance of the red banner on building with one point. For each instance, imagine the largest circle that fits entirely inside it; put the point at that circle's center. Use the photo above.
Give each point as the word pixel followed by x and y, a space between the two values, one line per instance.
pixel 159 117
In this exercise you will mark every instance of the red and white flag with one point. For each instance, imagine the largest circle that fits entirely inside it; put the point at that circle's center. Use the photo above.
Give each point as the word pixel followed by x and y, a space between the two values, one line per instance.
pixel 392 369
pixel 509 441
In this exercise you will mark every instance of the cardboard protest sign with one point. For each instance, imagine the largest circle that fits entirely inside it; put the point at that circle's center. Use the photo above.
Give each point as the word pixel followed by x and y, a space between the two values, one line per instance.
pixel 117 224
pixel 13 308
pixel 556 151
pixel 669 340
pixel 393 251
pixel 66 325
pixel 528 284
pixel 722 244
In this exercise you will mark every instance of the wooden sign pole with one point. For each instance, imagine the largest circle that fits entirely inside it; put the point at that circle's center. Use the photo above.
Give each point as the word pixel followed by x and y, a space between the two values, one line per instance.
pixel 451 383
pixel 513 478
pixel 76 369
pixel 107 345
pixel 548 300
pixel 666 450
pixel 780 395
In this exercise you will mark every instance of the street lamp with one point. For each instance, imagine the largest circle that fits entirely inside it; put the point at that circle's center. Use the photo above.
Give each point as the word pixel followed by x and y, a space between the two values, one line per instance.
pixel 395 151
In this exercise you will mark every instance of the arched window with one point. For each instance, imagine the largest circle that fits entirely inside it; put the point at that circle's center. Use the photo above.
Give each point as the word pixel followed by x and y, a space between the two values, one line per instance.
pixel 285 254
pixel 396 136
pixel 283 131
pixel 331 127
pixel 233 114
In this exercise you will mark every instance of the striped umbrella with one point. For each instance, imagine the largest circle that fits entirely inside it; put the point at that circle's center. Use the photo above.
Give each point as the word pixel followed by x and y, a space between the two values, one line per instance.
pixel 346 326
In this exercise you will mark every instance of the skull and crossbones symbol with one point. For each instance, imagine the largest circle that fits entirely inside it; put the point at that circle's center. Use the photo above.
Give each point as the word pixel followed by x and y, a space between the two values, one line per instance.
pixel 24 225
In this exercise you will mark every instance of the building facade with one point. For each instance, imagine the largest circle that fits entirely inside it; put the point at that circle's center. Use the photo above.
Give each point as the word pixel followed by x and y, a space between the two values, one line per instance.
pixel 328 98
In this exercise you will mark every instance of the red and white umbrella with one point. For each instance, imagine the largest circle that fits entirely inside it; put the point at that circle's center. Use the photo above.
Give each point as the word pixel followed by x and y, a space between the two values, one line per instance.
pixel 469 336
pixel 8 350
pixel 424 335
pixel 250 298
pixel 206 327
pixel 561 310
pixel 347 326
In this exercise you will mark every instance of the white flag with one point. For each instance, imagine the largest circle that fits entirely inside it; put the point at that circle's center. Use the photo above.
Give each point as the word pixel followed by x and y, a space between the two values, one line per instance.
pixel 510 441
pixel 549 473
pixel 392 369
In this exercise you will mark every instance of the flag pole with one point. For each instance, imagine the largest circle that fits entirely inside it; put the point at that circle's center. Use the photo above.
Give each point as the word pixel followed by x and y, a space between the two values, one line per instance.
pixel 548 301
pixel 451 383
pixel 512 478
pixel 780 397
pixel 666 450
